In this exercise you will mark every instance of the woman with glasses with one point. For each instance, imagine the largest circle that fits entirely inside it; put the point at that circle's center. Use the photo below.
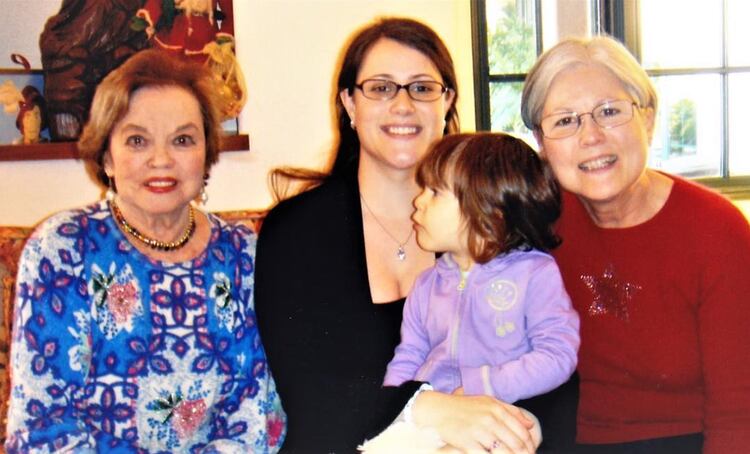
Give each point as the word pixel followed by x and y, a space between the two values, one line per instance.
pixel 657 266
pixel 335 262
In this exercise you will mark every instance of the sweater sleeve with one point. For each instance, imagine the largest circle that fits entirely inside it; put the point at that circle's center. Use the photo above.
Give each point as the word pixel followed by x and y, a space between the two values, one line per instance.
pixel 552 330
pixel 415 343
pixel 724 324
pixel 50 344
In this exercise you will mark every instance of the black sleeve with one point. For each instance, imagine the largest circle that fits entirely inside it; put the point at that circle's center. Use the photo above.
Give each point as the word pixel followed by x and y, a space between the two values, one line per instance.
pixel 327 344
pixel 556 411
pixel 398 396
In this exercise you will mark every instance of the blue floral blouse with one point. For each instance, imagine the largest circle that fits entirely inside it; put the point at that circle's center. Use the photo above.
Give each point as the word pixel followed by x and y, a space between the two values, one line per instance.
pixel 115 352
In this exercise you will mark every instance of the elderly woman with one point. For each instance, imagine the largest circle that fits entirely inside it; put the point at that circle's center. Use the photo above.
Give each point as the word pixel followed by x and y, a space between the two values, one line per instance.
pixel 657 266
pixel 134 325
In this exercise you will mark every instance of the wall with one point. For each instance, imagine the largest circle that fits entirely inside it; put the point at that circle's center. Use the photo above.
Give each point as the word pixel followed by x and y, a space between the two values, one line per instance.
pixel 288 50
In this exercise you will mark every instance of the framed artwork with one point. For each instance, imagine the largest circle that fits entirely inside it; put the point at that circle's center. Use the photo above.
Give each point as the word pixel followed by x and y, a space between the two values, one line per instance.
pixel 80 41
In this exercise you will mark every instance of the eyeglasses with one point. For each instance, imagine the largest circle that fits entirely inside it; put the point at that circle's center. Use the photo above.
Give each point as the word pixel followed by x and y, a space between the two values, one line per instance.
pixel 419 90
pixel 607 115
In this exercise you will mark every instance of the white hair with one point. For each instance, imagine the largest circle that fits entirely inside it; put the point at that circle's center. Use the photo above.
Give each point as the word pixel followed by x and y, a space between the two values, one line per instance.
pixel 603 51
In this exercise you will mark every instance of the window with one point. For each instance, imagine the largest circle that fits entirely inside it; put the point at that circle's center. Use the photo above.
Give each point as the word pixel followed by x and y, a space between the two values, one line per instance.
pixel 698 60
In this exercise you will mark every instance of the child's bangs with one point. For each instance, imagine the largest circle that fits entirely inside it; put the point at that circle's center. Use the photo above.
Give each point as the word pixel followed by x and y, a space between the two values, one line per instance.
pixel 431 173
pixel 436 169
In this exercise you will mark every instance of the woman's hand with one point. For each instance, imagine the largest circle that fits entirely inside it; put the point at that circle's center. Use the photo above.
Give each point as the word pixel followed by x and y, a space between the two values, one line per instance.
pixel 471 423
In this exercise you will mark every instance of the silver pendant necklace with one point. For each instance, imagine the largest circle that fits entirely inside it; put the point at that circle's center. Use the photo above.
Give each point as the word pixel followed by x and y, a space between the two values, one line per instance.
pixel 400 251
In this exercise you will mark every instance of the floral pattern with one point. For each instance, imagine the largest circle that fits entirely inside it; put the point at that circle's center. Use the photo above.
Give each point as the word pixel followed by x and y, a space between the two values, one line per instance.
pixel 226 306
pixel 117 299
pixel 116 352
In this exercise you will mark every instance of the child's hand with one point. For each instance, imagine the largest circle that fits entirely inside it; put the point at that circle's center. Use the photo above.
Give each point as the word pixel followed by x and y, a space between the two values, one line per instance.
pixel 458 391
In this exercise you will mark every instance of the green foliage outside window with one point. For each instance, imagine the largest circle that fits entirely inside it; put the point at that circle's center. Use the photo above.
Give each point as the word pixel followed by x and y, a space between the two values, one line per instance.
pixel 682 138
pixel 512 50
pixel 512 44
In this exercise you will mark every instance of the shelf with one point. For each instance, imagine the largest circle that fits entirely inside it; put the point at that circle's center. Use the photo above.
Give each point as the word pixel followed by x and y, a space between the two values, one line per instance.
pixel 68 150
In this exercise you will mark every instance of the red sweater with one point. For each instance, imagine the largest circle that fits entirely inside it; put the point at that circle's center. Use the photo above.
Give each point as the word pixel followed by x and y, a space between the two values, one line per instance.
pixel 665 320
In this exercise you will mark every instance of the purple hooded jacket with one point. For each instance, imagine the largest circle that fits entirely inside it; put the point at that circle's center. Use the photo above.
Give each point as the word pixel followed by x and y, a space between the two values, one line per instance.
pixel 507 329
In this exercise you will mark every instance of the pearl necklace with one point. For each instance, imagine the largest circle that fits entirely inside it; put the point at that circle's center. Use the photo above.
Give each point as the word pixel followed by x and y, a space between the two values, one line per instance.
pixel 150 242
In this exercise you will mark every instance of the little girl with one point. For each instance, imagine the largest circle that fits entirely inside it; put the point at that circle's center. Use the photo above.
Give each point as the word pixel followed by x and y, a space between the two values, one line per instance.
pixel 492 316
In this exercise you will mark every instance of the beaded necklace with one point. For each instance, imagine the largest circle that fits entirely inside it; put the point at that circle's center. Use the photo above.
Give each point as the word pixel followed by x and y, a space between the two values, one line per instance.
pixel 150 242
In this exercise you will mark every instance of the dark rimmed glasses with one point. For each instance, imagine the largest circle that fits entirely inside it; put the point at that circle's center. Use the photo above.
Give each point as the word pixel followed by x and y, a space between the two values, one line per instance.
pixel 419 90
pixel 607 115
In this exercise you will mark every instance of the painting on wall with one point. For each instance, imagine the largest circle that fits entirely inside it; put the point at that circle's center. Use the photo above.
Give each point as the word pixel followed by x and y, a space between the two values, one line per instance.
pixel 85 39
pixel 79 45
pixel 202 30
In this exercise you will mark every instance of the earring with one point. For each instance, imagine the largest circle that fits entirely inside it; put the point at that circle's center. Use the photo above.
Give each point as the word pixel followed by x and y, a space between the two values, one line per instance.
pixel 351 123
pixel 110 194
pixel 204 194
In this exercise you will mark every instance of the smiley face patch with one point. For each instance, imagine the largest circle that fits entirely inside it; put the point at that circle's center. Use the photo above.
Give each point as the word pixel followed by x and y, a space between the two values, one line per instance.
pixel 502 295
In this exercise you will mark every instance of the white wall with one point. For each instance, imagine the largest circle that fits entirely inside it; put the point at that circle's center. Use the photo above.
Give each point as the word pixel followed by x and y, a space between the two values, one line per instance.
pixel 288 50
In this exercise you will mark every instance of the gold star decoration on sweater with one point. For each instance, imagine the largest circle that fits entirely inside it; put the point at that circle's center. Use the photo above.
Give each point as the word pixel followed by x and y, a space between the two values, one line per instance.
pixel 611 294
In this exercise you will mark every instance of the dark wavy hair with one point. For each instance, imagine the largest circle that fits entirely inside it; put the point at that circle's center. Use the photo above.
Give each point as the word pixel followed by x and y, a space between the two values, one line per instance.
pixel 408 32
pixel 507 193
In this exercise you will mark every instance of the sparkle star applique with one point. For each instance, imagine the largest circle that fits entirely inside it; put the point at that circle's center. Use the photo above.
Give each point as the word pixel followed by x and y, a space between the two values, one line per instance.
pixel 611 295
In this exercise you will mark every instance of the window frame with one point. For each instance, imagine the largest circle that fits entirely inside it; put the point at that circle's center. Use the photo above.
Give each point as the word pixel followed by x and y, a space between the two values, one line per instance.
pixel 617 18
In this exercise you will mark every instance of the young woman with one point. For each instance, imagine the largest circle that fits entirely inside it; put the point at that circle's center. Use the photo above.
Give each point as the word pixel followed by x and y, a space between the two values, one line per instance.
pixel 335 262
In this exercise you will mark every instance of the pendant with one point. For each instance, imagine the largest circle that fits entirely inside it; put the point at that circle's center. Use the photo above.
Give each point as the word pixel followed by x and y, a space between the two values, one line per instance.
pixel 400 253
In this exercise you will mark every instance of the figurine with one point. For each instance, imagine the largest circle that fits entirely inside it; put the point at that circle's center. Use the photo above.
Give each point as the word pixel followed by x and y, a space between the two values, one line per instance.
pixel 30 106
pixel 31 119
pixel 228 76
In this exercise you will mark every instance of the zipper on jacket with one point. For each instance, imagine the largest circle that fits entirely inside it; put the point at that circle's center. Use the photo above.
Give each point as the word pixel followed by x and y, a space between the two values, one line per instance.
pixel 457 319
pixel 462 283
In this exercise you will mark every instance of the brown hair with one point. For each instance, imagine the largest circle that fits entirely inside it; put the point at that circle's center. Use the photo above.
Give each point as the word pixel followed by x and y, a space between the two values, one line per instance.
pixel 508 196
pixel 408 32
pixel 147 68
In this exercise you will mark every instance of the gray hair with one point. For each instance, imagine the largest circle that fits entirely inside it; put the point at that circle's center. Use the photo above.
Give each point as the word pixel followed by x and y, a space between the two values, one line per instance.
pixel 571 52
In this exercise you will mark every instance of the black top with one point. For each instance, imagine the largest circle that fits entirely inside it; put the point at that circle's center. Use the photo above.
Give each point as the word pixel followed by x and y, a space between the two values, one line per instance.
pixel 327 343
